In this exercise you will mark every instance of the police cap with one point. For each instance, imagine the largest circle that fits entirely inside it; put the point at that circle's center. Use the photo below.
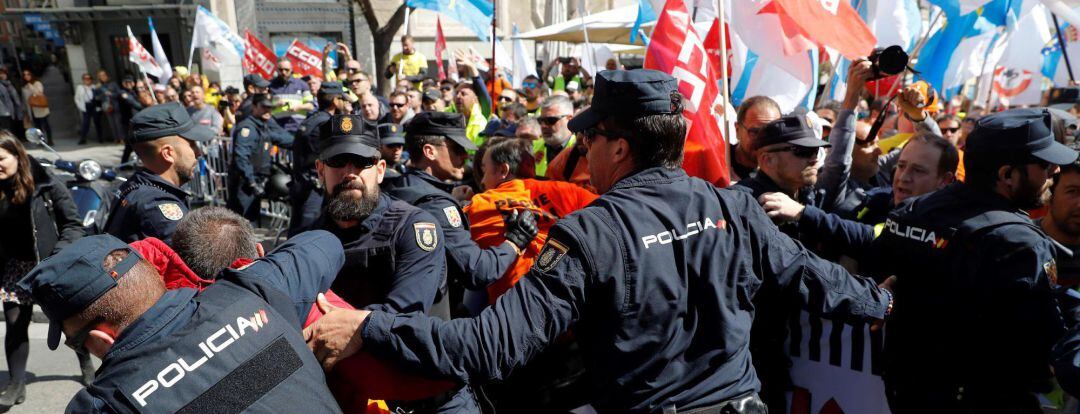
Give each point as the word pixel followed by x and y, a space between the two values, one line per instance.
pixel 165 120
pixel 65 283
pixel 331 88
pixel 443 124
pixel 432 95
pixel 256 81
pixel 629 93
pixel 348 134
pixel 791 129
pixel 1012 137
pixel 1064 98
pixel 263 100
pixel 391 134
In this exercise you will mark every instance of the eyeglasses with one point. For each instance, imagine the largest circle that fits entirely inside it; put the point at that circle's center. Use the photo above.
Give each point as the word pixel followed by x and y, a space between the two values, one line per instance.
pixel 801 152
pixel 505 99
pixel 551 120
pixel 529 85
pixel 950 130
pixel 340 161
pixel 446 89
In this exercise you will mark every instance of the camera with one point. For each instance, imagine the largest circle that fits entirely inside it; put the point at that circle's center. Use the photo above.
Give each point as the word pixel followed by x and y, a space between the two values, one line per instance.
pixel 888 61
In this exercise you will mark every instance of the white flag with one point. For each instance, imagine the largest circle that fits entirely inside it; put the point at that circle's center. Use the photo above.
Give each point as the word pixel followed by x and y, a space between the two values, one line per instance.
pixel 138 55
pixel 210 29
pixel 159 52
pixel 524 65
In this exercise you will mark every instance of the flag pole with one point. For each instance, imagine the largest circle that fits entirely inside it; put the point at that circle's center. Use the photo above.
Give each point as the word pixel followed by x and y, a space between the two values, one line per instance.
pixel 494 63
pixel 726 88
pixel 1064 49
pixel 582 12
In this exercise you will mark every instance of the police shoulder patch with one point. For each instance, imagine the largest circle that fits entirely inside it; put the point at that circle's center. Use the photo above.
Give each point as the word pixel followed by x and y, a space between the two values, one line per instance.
pixel 550 255
pixel 1051 271
pixel 426 237
pixel 171 211
pixel 244 132
pixel 452 216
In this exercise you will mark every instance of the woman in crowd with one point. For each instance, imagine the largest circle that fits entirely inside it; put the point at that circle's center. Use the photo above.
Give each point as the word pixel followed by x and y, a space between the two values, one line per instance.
pixel 34 96
pixel 39 218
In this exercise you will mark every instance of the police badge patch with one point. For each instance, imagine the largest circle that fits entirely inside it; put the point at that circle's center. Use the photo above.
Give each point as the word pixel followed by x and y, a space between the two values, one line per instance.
pixel 426 237
pixel 1051 271
pixel 244 132
pixel 346 125
pixel 549 256
pixel 452 216
pixel 171 211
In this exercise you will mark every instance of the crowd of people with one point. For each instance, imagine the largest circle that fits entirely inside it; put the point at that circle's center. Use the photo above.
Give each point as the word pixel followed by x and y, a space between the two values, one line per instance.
pixel 546 251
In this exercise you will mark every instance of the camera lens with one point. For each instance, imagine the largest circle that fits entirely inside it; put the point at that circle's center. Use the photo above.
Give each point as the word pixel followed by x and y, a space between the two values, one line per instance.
pixel 892 60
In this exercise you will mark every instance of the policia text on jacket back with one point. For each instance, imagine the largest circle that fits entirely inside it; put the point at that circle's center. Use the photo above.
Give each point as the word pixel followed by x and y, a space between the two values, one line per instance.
pixel 657 276
pixel 234 347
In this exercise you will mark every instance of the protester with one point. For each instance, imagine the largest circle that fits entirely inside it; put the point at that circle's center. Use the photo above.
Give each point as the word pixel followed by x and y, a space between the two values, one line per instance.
pixel 400 111
pixel 34 98
pixel 40 219
pixel 753 114
pixel 204 114
pixel 294 95
pixel 409 65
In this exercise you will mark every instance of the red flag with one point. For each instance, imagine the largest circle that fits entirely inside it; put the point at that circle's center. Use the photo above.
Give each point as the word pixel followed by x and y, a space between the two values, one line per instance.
pixel 258 58
pixel 832 23
pixel 712 46
pixel 440 46
pixel 306 61
pixel 675 48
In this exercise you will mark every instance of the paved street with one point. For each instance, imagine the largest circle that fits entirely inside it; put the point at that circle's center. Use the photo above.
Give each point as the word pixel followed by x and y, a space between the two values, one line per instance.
pixel 52 375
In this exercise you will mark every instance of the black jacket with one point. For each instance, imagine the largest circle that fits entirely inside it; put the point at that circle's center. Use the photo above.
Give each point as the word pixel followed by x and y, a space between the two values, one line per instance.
pixel 54 218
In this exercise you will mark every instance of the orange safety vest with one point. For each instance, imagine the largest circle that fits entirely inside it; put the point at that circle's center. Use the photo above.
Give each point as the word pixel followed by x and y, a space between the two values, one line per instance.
pixel 549 200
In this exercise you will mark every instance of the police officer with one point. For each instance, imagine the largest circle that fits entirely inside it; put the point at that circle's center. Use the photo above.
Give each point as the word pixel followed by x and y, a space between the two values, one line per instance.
pixel 392 148
pixel 438 150
pixel 305 194
pixel 151 202
pixel 251 162
pixel 395 253
pixel 235 346
pixel 253 85
pixel 974 276
pixel 656 276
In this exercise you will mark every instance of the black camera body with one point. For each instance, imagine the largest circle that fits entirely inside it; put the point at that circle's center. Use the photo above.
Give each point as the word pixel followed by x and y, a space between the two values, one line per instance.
pixel 888 61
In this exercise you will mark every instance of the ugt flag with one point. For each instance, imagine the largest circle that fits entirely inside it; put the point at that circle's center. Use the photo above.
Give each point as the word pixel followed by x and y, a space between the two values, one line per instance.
pixel 258 58
pixel 138 55
pixel 306 61
pixel 210 29
pixel 474 14
pixel 675 48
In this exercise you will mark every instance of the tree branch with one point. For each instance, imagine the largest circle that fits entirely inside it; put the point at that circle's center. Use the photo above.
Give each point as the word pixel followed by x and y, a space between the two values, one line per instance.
pixel 393 24
pixel 369 15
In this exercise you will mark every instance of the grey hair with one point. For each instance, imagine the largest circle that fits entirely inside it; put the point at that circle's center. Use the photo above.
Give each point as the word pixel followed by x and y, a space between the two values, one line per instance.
pixel 528 122
pixel 558 101
pixel 210 239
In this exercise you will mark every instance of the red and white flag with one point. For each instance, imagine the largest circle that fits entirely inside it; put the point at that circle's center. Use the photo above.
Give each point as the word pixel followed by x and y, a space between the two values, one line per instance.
pixel 832 23
pixel 138 55
pixel 675 48
pixel 440 46
pixel 306 61
pixel 258 58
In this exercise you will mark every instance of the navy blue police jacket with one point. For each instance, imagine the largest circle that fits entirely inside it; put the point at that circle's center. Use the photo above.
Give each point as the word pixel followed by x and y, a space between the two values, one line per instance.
pixel 148 206
pixel 657 278
pixel 466 262
pixel 852 237
pixel 974 284
pixel 395 260
pixel 305 149
pixel 252 140
pixel 234 347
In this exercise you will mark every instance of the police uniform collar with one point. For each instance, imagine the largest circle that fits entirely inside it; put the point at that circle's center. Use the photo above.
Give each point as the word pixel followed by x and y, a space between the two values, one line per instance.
pixel 172 309
pixel 650 175
pixel 430 179
pixel 144 176
pixel 983 198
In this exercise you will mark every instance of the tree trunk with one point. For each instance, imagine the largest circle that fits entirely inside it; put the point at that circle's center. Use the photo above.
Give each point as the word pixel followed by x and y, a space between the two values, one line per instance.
pixel 383 37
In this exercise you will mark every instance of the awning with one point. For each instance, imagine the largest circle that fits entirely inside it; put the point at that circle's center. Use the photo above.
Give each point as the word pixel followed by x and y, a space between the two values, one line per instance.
pixel 77 14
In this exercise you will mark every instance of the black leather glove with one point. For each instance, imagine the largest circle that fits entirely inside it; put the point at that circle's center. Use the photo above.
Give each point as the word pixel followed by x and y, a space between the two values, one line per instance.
pixel 258 189
pixel 520 228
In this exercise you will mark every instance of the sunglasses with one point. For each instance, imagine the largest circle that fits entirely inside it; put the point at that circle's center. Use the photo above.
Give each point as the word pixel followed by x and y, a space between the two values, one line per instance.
pixel 285 69
pixel 801 152
pixel 950 130
pixel 397 105
pixel 340 161
pixel 505 99
pixel 529 85
pixel 446 89
pixel 551 120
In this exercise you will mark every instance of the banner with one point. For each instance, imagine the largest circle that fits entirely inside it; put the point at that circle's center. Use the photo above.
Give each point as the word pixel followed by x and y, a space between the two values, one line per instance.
pixel 210 29
pixel 138 55
pixel 474 14
pixel 306 61
pixel 676 49
pixel 258 58
pixel 440 47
